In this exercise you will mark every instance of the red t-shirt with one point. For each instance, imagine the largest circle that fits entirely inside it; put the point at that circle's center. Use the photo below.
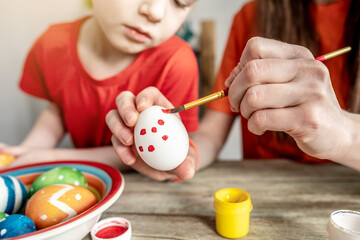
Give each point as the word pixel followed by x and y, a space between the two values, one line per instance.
pixel 330 26
pixel 54 72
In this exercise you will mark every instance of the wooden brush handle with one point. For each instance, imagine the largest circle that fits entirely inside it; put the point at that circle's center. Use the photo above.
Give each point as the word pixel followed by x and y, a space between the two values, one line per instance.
pixel 206 99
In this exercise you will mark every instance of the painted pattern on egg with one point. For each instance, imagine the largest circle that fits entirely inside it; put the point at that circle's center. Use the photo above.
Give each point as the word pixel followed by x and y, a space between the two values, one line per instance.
pixel 16 225
pixel 3 215
pixel 151 148
pixel 161 139
pixel 13 194
pixel 56 203
pixel 60 175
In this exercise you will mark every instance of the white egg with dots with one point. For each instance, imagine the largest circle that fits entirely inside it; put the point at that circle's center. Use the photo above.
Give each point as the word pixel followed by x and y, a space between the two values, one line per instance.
pixel 161 139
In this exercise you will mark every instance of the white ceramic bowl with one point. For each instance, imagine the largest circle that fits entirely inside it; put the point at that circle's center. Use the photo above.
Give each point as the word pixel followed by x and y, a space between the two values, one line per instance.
pixel 105 179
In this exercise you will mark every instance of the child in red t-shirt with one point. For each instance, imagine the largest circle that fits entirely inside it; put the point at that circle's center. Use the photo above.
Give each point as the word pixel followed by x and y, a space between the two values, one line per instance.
pixel 80 67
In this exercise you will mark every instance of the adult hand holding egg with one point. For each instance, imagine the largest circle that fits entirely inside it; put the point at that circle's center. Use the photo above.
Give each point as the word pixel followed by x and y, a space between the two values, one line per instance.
pixel 122 123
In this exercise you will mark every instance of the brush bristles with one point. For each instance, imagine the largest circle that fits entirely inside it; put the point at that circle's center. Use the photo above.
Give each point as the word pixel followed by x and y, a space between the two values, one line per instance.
pixel 177 109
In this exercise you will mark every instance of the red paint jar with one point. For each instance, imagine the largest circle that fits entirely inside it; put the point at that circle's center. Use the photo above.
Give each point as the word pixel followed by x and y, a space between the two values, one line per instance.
pixel 115 228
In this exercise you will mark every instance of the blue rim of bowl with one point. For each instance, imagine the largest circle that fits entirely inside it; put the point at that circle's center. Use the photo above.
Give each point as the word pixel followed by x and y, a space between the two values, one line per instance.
pixel 105 172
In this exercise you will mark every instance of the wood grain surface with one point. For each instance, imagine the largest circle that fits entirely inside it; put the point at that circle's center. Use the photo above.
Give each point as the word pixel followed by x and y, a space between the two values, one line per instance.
pixel 291 200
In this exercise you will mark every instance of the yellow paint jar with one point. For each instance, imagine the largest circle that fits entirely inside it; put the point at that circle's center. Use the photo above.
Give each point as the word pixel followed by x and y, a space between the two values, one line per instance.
pixel 5 159
pixel 232 207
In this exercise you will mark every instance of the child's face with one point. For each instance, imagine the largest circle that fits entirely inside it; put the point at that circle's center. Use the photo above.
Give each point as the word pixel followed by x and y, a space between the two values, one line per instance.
pixel 132 26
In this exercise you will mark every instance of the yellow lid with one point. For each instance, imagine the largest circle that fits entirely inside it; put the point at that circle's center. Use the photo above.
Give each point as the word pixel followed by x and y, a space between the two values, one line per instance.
pixel 232 201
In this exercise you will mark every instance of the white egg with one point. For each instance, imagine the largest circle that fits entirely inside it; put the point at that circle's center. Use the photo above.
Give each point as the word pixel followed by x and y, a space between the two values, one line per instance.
pixel 161 139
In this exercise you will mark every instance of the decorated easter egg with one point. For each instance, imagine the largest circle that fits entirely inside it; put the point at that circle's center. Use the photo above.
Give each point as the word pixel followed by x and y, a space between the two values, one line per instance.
pixel 57 176
pixel 161 139
pixel 95 192
pixel 13 194
pixel 56 203
pixel 16 225
pixel 3 215
pixel 5 159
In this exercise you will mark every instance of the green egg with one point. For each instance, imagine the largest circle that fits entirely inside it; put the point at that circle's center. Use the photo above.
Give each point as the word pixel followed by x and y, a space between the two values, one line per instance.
pixel 58 175
pixel 95 192
pixel 3 215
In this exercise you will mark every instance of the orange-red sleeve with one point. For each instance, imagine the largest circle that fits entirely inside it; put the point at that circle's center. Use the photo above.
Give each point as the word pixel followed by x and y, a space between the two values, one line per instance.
pixel 240 32
pixel 32 80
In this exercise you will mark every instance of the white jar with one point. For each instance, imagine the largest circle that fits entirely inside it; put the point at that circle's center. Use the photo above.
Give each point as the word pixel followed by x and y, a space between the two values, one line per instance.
pixel 344 225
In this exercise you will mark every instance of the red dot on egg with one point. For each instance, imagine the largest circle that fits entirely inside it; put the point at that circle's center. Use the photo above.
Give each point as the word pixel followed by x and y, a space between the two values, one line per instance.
pixel 143 131
pixel 154 130
pixel 165 137
pixel 151 148
pixel 141 149
pixel 161 122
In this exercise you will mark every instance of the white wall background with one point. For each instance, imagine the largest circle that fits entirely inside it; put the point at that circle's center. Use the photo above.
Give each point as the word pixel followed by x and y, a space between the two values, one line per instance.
pixel 22 21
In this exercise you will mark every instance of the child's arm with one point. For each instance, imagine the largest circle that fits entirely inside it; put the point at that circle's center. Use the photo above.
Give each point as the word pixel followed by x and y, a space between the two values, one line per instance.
pixel 211 136
pixel 47 131
pixel 105 155
pixel 40 143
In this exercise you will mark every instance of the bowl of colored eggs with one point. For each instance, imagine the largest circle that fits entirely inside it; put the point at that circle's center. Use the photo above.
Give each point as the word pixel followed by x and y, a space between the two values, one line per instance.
pixel 59 200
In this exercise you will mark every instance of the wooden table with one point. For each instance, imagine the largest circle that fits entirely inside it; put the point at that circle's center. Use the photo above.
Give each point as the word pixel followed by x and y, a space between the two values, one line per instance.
pixel 291 200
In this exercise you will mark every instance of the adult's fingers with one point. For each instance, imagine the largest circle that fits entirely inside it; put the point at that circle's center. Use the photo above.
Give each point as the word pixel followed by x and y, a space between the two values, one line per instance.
pixel 261 71
pixel 306 80
pixel 262 48
pixel 284 119
pixel 271 96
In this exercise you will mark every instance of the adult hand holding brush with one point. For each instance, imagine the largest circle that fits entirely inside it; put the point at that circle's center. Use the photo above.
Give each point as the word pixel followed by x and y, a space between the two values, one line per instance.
pixel 281 87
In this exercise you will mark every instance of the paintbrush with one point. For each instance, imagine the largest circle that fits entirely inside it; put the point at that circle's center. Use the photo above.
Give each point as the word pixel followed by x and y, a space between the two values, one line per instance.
pixel 223 93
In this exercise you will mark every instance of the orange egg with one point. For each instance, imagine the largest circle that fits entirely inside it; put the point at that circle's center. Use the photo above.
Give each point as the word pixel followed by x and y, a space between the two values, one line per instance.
pixel 56 203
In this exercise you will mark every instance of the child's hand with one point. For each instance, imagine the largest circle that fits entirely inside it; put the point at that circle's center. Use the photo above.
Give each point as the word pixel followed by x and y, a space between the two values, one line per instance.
pixel 26 155
pixel 122 121
pixel 15 151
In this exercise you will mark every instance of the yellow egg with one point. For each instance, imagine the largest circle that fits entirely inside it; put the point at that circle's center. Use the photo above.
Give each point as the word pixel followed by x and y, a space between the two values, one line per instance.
pixel 56 203
pixel 5 159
